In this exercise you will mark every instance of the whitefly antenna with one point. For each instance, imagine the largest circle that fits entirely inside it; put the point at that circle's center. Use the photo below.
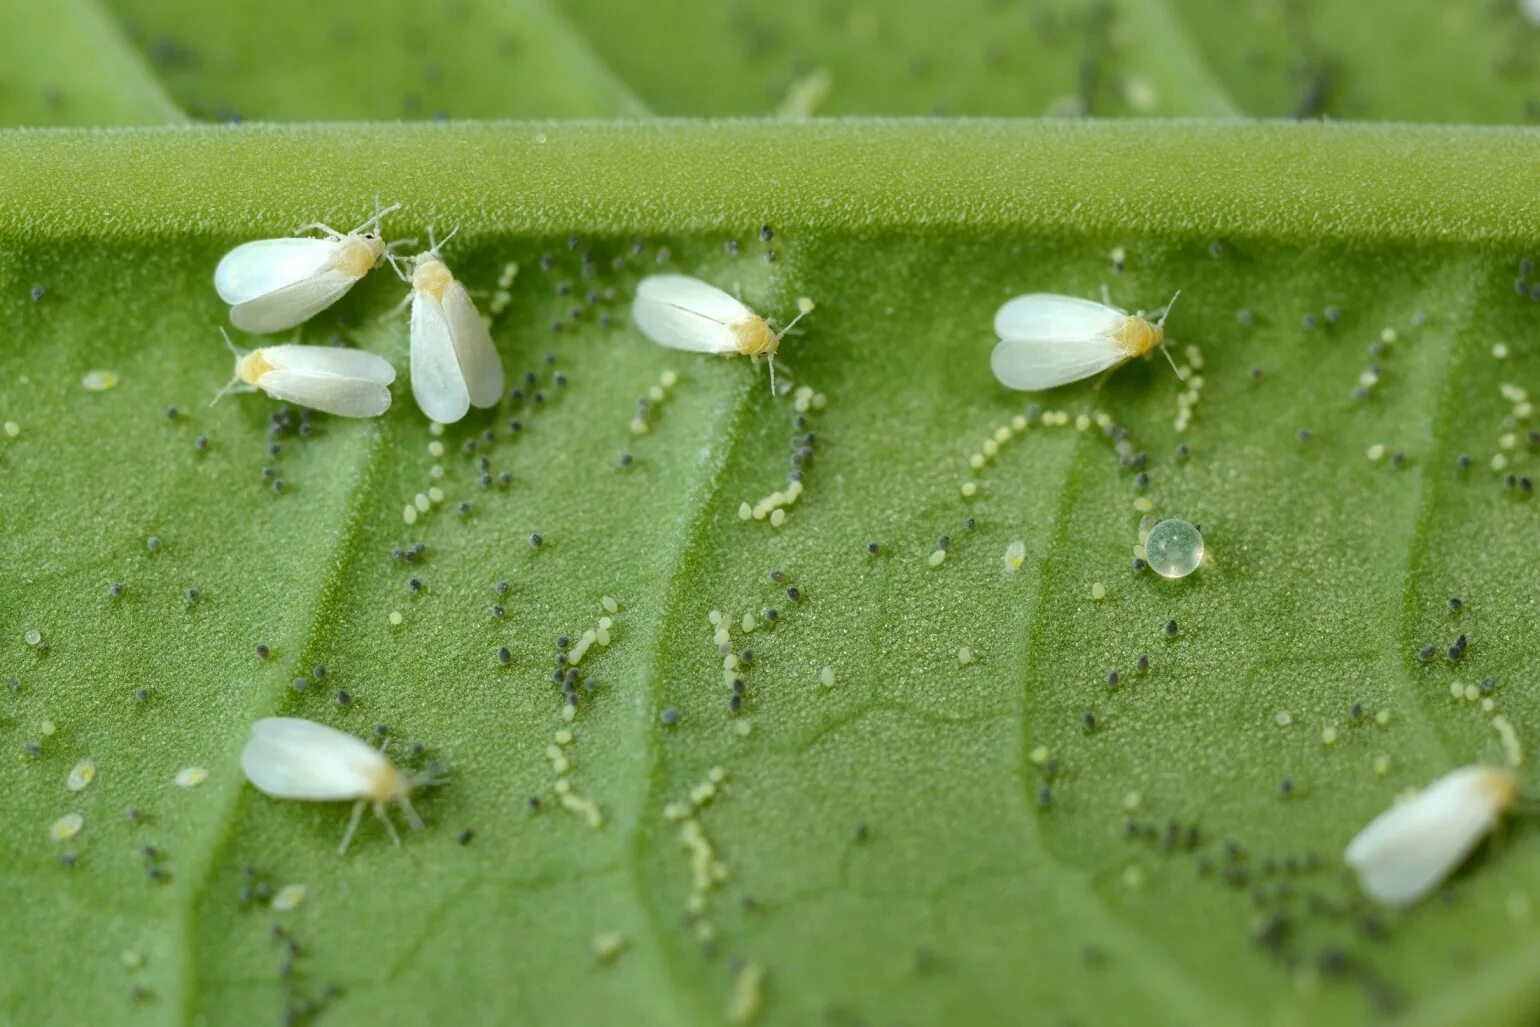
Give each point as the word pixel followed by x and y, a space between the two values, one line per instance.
pixel 778 336
pixel 434 247
pixel 379 213
pixel 1161 324
pixel 1165 313
pixel 235 379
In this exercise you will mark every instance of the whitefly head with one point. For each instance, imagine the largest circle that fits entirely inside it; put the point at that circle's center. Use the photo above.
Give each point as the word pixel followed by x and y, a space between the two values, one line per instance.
pixel 426 272
pixel 364 246
pixel 250 366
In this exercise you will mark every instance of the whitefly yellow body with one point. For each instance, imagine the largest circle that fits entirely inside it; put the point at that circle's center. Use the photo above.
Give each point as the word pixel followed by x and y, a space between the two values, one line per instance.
pixel 290 758
pixel 274 284
pixel 1048 340
pixel 345 382
pixel 455 365
pixel 1407 851
pixel 686 313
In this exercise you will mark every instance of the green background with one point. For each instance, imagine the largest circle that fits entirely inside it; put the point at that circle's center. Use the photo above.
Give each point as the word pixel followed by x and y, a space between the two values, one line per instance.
pixel 889 854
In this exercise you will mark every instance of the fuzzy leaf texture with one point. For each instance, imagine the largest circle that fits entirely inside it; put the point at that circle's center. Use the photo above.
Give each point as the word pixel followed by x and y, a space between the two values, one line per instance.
pixel 936 835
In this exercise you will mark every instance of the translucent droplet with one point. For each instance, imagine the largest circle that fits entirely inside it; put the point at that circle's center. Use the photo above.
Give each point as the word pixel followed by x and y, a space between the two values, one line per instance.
pixel 1174 549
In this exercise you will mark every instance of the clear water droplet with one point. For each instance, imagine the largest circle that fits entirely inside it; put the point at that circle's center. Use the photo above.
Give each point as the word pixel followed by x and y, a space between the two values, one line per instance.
pixel 1174 548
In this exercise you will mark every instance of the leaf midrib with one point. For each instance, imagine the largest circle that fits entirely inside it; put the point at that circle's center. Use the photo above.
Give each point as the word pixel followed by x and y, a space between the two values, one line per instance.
pixel 847 175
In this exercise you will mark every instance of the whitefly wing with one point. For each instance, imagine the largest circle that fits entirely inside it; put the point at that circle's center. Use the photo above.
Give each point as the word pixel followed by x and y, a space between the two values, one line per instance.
pixel 291 305
pixel 257 268
pixel 480 365
pixel 438 384
pixel 686 313
pixel 345 397
pixel 1033 364
pixel 289 758
pixel 335 361
pixel 1041 315
pixel 1405 852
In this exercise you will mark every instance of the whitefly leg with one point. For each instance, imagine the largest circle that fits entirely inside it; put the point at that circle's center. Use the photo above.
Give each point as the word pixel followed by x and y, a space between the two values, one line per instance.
pixel 379 811
pixel 410 813
pixel 347 836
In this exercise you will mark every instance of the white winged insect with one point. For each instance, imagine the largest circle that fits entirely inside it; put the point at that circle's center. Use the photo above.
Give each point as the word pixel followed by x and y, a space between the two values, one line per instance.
pixel 345 382
pixel 274 284
pixel 686 313
pixel 1048 340
pixel 290 758
pixel 1407 850
pixel 455 365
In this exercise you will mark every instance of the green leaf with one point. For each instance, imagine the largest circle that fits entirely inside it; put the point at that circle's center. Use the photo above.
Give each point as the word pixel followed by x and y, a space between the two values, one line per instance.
pixel 67 64
pixel 888 852
pixel 287 60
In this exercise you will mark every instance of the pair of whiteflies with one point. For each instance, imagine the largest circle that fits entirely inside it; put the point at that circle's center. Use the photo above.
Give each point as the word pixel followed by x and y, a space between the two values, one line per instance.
pixel 273 285
pixel 1400 857
pixel 1046 340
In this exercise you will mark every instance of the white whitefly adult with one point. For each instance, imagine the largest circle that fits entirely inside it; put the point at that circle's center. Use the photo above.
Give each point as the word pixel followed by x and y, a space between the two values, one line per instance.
pixel 455 365
pixel 274 284
pixel 1048 340
pixel 1406 851
pixel 290 758
pixel 334 380
pixel 686 313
